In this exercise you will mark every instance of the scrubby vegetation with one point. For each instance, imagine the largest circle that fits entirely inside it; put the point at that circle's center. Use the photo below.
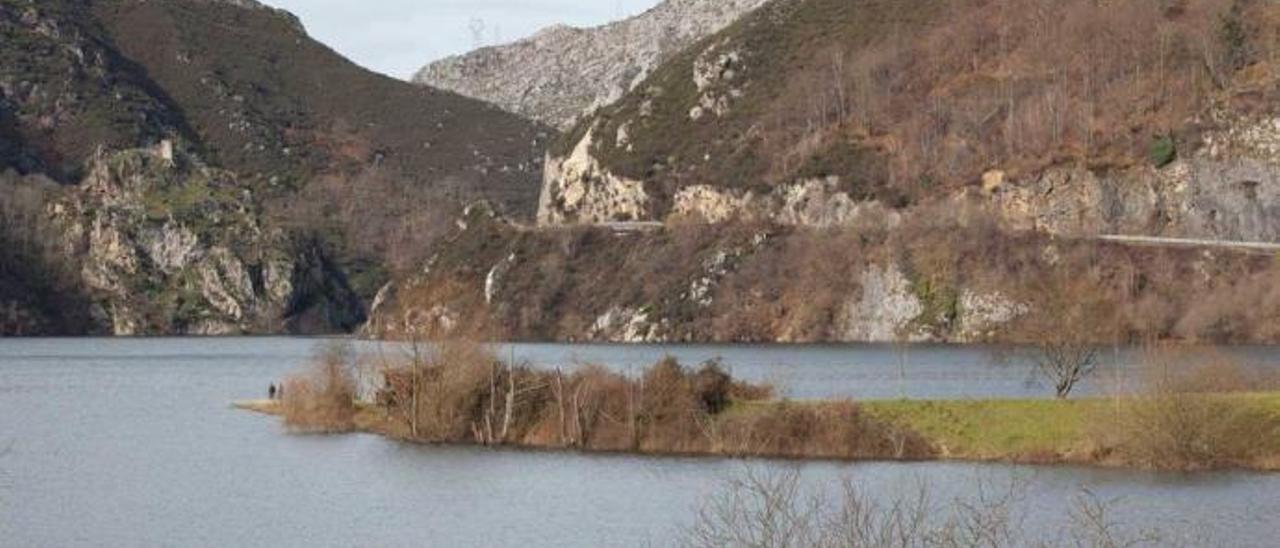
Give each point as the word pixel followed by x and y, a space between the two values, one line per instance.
pixel 322 397
pixel 744 283
pixel 904 99
pixel 1187 412
pixel 358 167
pixel 459 393
pixel 1195 414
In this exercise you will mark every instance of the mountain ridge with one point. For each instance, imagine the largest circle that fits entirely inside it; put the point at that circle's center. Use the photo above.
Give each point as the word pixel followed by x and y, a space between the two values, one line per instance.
pixel 562 72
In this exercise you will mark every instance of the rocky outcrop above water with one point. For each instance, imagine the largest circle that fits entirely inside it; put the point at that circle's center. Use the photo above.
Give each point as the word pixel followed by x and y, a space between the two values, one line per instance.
pixel 170 246
pixel 893 308
pixel 562 72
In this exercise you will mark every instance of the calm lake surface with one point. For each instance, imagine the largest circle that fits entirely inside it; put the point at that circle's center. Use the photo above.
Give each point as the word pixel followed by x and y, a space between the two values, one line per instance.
pixel 133 443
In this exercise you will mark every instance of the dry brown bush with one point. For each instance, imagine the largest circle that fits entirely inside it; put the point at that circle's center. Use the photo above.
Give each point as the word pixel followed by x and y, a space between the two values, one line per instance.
pixel 1185 416
pixel 321 399
pixel 459 392
pixel 836 430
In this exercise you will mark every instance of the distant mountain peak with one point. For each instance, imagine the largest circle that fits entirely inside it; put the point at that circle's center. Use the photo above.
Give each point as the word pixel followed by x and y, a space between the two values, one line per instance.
pixel 561 72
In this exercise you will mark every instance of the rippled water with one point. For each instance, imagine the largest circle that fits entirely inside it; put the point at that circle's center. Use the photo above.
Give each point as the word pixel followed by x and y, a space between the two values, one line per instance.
pixel 132 443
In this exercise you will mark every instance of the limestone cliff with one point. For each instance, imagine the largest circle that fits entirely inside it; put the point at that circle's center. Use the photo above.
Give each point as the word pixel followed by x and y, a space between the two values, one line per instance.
pixel 170 246
pixel 563 72
pixel 1227 189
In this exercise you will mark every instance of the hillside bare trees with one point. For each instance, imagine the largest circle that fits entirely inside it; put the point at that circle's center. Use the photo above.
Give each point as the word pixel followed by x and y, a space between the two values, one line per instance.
pixel 1018 85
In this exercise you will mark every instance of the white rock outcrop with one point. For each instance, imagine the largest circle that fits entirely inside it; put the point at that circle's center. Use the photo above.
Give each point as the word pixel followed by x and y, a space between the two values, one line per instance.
pixel 577 189
pixel 884 310
pixel 888 310
pixel 811 202
pixel 1228 190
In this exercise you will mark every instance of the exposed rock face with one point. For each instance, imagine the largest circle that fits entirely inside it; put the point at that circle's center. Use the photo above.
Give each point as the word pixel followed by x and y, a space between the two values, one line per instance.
pixel 714 75
pixel 626 325
pixel 562 72
pixel 884 309
pixel 577 189
pixel 889 309
pixel 983 314
pixel 813 202
pixel 1228 190
pixel 169 246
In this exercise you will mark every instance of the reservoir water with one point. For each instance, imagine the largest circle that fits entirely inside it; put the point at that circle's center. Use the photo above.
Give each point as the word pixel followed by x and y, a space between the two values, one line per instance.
pixel 131 442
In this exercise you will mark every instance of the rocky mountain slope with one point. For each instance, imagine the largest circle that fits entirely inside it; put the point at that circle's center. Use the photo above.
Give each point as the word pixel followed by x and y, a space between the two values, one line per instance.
pixel 173 246
pixel 246 113
pixel 1157 118
pixel 827 170
pixel 563 72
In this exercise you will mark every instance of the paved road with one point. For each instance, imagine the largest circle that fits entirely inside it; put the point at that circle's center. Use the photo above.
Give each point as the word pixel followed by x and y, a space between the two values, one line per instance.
pixel 1152 241
pixel 1266 247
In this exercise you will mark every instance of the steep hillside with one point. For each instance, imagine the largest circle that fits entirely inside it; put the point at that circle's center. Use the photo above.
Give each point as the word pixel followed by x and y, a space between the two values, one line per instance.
pixel 1145 116
pixel 248 90
pixel 65 90
pixel 261 132
pixel 873 170
pixel 563 72
pixel 949 274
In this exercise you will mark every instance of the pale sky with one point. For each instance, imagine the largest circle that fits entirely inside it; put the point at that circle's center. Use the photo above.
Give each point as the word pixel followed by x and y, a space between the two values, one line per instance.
pixel 398 37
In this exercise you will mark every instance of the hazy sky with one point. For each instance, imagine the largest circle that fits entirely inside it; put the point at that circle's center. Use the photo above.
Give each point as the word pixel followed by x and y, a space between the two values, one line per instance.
pixel 397 37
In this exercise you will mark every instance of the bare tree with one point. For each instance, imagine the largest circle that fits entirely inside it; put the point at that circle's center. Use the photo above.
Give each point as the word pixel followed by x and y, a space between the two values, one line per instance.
pixel 1065 362
pixel 1073 318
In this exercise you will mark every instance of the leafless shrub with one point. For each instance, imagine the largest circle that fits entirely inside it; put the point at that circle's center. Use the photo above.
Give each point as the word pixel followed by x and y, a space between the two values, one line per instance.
pixel 773 509
pixel 1185 417
pixel 759 509
pixel 1093 525
pixel 321 399
pixel 459 392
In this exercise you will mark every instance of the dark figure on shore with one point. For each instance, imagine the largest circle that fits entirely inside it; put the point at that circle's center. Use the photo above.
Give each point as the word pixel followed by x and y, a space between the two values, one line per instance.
pixel 271 392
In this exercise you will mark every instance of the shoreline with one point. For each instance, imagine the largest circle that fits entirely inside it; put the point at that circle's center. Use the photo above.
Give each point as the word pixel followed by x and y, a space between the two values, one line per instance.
pixel 1014 431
